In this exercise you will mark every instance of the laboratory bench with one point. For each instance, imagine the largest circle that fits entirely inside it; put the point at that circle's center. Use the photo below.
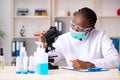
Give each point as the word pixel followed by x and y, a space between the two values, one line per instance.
pixel 9 73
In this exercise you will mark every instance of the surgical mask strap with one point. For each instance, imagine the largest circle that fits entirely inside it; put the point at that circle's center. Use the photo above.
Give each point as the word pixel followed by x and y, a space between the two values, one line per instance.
pixel 88 31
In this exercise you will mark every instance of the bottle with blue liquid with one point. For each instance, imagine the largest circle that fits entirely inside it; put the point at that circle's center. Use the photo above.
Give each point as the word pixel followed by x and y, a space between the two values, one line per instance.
pixel 42 62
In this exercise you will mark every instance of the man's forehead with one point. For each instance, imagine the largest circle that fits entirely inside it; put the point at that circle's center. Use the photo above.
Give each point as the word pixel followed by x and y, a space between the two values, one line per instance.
pixel 79 17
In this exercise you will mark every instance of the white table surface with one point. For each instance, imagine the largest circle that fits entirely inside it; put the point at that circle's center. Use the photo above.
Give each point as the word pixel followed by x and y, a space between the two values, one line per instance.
pixel 9 74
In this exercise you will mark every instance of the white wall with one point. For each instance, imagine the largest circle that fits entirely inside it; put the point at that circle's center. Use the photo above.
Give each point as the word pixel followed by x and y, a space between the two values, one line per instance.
pixel 110 24
pixel 5 24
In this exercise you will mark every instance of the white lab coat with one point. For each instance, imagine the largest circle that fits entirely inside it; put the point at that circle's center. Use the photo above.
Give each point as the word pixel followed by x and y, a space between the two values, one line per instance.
pixel 96 47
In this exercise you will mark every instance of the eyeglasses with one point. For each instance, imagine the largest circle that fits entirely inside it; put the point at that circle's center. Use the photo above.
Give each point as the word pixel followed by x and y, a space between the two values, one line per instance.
pixel 78 28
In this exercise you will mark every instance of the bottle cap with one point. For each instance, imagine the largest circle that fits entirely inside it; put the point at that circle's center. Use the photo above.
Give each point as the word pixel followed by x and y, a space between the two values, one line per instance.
pixel 31 71
pixel 25 72
pixel 18 72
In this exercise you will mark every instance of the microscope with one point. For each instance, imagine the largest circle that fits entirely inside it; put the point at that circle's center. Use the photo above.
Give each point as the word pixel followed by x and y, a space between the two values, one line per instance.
pixel 49 38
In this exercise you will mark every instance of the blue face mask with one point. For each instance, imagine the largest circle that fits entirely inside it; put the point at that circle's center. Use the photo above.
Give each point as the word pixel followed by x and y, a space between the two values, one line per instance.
pixel 77 35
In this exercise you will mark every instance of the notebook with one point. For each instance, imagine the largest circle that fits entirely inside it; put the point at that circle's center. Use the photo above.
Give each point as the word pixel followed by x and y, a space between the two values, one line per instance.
pixel 85 70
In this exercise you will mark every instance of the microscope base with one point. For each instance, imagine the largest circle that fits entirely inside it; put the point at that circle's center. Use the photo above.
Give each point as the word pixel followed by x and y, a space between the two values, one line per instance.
pixel 52 67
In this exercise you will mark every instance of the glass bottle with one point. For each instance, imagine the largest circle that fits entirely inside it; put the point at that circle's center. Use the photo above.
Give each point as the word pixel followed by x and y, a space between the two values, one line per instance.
pixel 1 59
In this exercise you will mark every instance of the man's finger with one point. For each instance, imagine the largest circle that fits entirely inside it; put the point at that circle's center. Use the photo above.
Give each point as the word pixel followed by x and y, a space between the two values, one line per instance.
pixel 73 61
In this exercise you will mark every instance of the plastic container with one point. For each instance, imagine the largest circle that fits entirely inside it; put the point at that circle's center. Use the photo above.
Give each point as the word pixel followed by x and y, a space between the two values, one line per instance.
pixel 22 54
pixel 18 66
pixel 31 65
pixel 22 62
pixel 41 61
pixel 35 59
pixel 25 65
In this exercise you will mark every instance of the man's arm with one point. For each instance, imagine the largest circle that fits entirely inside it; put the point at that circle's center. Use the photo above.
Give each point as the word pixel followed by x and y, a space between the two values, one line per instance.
pixel 111 61
pixel 111 58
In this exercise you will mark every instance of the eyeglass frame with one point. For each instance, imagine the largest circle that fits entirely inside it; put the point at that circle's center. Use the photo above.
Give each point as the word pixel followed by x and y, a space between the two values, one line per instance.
pixel 80 29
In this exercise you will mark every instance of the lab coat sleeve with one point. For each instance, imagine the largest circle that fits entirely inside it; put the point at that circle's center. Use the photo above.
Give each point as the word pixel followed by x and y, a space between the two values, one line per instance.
pixel 111 58
pixel 58 50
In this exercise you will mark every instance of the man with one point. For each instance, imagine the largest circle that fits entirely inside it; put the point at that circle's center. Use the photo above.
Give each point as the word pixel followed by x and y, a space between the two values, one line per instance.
pixel 85 47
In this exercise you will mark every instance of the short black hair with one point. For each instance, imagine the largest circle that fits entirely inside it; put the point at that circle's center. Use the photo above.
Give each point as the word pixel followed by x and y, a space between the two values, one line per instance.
pixel 88 14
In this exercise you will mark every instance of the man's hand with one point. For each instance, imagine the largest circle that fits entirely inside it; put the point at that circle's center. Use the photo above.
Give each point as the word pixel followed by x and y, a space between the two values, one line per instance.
pixel 40 39
pixel 78 64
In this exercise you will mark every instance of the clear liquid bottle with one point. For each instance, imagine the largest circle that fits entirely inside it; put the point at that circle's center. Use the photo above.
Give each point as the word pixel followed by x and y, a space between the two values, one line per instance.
pixel 18 65
pixel 23 53
pixel 1 59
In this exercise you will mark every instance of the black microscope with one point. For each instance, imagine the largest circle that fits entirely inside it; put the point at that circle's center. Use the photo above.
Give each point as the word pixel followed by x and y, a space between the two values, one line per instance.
pixel 49 38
